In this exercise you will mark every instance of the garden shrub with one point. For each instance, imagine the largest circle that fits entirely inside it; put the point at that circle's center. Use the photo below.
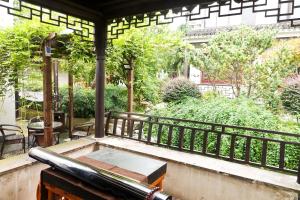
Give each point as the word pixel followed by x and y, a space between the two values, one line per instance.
pixel 178 89
pixel 85 100
pixel 115 98
pixel 291 96
pixel 239 112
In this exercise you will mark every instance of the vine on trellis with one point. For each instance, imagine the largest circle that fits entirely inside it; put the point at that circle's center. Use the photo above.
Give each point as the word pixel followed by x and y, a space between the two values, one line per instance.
pixel 19 8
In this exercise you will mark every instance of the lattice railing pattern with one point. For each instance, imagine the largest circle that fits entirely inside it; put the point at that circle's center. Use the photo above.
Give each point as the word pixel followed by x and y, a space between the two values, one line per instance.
pixel 281 10
pixel 80 27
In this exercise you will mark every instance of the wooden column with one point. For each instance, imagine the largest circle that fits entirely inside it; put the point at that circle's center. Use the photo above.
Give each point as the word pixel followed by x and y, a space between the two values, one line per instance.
pixel 100 44
pixel 55 80
pixel 47 102
pixel 17 95
pixel 298 177
pixel 71 103
pixel 130 79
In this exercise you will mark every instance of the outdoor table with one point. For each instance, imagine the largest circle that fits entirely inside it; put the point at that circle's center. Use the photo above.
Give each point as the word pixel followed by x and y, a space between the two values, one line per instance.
pixel 39 127
pixel 139 168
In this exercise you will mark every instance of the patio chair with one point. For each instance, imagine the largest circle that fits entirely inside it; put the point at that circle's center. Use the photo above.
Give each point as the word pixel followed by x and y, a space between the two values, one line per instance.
pixel 31 138
pixel 11 134
pixel 82 130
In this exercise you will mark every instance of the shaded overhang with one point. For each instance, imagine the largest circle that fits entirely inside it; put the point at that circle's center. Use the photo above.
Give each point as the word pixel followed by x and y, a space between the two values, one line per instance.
pixel 111 9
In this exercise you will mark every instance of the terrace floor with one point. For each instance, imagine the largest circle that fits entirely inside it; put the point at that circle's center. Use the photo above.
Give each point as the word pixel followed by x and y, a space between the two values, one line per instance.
pixel 189 176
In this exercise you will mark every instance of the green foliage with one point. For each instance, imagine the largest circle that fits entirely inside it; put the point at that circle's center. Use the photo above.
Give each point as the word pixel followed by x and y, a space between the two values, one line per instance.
pixel 275 66
pixel 33 81
pixel 254 62
pixel 115 98
pixel 178 89
pixel 78 57
pixel 291 96
pixel 85 100
pixel 149 51
pixel 229 55
pixel 240 112
pixel 19 54
pixel 18 51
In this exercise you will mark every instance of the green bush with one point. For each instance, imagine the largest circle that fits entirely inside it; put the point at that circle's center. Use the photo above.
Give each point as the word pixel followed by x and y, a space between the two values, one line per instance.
pixel 85 100
pixel 240 112
pixel 290 96
pixel 178 89
pixel 115 98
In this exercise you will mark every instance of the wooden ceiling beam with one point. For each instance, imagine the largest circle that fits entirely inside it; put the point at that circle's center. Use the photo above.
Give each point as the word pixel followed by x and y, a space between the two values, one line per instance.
pixel 92 10
pixel 134 8
pixel 70 8
pixel 110 2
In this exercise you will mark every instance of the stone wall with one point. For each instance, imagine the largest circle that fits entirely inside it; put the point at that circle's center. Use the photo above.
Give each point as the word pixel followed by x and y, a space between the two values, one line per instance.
pixel 225 90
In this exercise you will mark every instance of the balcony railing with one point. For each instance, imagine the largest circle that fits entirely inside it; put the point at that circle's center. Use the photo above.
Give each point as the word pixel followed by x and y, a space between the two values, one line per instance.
pixel 261 148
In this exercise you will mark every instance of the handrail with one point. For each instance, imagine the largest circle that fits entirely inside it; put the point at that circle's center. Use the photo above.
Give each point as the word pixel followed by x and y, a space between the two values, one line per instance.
pixel 191 136
pixel 213 124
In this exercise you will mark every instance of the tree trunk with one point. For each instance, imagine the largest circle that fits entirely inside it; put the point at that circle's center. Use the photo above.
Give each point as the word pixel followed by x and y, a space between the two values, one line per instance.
pixel 249 91
pixel 238 90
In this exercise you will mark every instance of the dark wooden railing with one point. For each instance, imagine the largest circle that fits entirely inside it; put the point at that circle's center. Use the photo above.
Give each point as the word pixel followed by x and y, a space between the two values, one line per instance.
pixel 262 148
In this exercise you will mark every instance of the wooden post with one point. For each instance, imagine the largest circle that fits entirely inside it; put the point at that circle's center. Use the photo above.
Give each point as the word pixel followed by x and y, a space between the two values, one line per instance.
pixel 298 176
pixel 47 103
pixel 130 79
pixel 47 90
pixel 71 104
pixel 56 92
pixel 100 44
pixel 17 95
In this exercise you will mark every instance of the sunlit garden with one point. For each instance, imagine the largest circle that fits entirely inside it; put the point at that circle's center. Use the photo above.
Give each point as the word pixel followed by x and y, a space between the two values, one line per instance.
pixel 153 65
pixel 125 99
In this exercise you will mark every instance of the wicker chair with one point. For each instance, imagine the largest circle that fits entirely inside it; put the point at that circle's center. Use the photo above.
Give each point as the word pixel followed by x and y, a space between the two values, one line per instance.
pixel 11 134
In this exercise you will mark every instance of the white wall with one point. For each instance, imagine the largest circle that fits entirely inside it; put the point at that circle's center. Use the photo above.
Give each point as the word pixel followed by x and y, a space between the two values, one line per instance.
pixel 7 109
pixel 195 75
pixel 5 19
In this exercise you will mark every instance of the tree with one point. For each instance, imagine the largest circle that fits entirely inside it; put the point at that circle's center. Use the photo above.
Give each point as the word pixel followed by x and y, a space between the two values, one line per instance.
pixel 231 54
pixel 291 96
pixel 273 67
pixel 208 60
pixel 20 47
pixel 152 49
